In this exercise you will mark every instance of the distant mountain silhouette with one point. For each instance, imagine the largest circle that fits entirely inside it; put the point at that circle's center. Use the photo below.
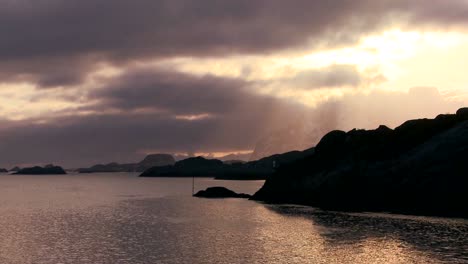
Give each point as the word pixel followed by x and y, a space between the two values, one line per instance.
pixel 15 169
pixel 197 166
pixel 231 162
pixel 148 162
pixel 263 168
pixel 47 170
pixel 202 167
pixel 2 170
pixel 419 167
pixel 228 157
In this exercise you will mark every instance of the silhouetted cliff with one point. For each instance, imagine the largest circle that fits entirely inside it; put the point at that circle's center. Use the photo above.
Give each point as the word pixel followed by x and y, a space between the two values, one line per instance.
pixel 2 170
pixel 47 170
pixel 419 168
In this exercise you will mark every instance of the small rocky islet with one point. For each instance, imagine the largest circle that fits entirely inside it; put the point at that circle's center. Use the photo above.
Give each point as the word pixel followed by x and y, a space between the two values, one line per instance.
pixel 220 192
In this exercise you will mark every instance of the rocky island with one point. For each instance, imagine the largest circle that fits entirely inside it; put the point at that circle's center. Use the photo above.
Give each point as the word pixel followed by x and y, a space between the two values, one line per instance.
pixel 2 170
pixel 417 168
pixel 220 192
pixel 37 170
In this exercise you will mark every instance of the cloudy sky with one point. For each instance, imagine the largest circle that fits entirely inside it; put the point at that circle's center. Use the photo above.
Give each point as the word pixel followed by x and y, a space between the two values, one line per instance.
pixel 83 82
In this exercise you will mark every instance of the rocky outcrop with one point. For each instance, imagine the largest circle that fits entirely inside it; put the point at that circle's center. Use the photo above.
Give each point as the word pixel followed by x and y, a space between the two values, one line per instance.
pixel 148 162
pixel 220 192
pixel 417 168
pixel 47 170
pixel 2 170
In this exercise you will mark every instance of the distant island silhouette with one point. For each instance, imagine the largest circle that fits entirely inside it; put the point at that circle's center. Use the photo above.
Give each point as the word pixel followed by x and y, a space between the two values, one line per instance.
pixel 419 167
pixel 37 170
pixel 2 170
pixel 148 162
pixel 230 170
pixel 14 169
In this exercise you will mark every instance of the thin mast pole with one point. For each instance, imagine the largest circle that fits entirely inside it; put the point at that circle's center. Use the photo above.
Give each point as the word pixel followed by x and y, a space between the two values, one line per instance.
pixel 193 185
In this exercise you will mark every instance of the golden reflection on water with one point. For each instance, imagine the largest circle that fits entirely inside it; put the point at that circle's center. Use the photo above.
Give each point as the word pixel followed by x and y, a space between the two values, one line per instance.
pixel 295 239
pixel 130 220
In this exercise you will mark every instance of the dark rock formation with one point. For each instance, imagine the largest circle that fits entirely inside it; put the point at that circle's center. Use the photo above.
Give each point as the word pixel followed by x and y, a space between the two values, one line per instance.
pixel 3 170
pixel 418 168
pixel 149 161
pixel 48 170
pixel 220 192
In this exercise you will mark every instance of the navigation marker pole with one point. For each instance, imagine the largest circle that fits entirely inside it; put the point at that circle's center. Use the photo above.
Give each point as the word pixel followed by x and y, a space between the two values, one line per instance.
pixel 193 185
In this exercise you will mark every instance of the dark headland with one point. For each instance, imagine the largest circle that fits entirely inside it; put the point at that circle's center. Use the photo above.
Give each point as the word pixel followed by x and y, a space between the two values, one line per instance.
pixel 2 170
pixel 37 170
pixel 419 167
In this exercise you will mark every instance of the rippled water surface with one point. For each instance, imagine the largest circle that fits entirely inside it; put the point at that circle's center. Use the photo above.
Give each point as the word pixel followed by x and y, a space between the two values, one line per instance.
pixel 120 218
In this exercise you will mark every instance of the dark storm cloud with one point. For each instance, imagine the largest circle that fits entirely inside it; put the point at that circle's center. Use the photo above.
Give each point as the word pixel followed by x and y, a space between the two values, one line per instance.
pixel 239 118
pixel 173 92
pixel 47 72
pixel 437 13
pixel 50 32
pixel 59 42
pixel 129 29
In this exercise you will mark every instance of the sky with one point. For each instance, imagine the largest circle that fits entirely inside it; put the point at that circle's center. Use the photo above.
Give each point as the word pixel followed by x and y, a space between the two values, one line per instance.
pixel 85 82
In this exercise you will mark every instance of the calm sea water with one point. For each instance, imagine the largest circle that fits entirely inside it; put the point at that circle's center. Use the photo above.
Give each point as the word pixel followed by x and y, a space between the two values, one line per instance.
pixel 120 218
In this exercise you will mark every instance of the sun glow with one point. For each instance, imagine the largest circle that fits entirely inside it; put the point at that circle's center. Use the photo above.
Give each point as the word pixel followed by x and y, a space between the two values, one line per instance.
pixel 393 60
pixel 30 103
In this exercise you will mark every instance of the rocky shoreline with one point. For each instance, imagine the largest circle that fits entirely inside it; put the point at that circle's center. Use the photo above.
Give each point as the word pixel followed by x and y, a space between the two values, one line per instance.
pixel 417 168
